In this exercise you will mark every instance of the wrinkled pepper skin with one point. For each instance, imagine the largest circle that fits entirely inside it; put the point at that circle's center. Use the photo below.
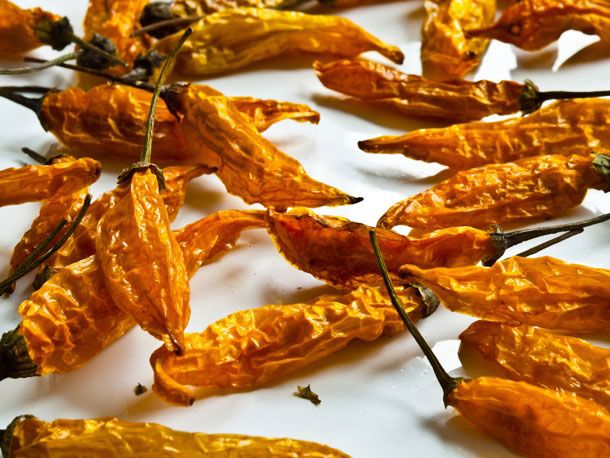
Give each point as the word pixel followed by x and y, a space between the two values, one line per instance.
pixel 543 292
pixel 103 437
pixel 183 8
pixel 532 188
pixel 265 113
pixel 562 127
pixel 339 252
pixel 143 264
pixel 18 28
pixel 534 24
pixel 412 95
pixel 33 183
pixel 232 39
pixel 533 421
pixel 446 53
pixel 250 348
pixel 542 358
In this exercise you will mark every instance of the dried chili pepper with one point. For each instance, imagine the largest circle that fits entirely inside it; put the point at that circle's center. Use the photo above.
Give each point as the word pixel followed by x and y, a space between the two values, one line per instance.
pixel 250 348
pixel 28 436
pixel 563 127
pixel 533 24
pixel 19 28
pixel 542 358
pixel 541 291
pixel 532 421
pixel 265 113
pixel 232 39
pixel 537 187
pixel 446 53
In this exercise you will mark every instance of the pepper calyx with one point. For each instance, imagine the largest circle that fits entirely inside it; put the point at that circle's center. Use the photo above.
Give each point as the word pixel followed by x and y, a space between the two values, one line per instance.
pixel 498 240
pixel 57 34
pixel 427 297
pixel 529 99
pixel 601 164
pixel 15 361
pixel 90 59
pixel 6 435
pixel 126 174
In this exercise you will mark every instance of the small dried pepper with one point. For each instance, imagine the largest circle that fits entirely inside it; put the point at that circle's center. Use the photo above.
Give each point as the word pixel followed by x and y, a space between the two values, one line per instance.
pixel 541 291
pixel 232 39
pixel 446 53
pixel 27 436
pixel 19 28
pixel 265 113
pixel 533 24
pixel 539 357
pixel 563 127
pixel 536 187
pixel 250 348
pixel 530 420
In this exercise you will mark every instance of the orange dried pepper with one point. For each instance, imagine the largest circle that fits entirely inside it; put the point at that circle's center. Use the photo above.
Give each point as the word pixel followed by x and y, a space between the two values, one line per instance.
pixel 19 28
pixel 537 187
pixel 235 38
pixel 446 53
pixel 250 348
pixel 539 357
pixel 27 436
pixel 265 113
pixel 563 127
pixel 541 291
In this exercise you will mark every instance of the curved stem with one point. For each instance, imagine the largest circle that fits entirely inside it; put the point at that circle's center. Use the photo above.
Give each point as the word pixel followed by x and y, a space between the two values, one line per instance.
pixel 548 243
pixel 10 94
pixel 83 44
pixel 175 22
pixel 47 64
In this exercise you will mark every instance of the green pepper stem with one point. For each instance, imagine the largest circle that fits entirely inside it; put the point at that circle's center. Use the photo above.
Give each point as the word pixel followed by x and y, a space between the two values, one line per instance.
pixel 48 64
pixel 174 22
pixel 83 44
pixel 447 382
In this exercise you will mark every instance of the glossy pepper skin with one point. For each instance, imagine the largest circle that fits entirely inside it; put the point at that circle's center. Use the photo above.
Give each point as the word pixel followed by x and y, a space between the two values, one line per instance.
pixel 250 348
pixel 533 421
pixel 18 28
pixel 338 251
pixel 562 127
pixel 543 292
pixel 539 357
pixel 103 437
pixel 537 187
pixel 534 24
pixel 446 53
pixel 456 100
pixel 232 39
pixel 33 183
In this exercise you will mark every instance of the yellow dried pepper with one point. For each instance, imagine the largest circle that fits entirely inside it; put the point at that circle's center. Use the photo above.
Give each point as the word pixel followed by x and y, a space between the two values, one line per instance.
pixel 19 28
pixel 265 113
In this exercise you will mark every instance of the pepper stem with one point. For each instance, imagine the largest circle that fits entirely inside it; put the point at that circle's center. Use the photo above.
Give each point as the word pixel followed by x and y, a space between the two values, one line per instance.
pixel 48 64
pixel 174 22
pixel 11 94
pixel 34 155
pixel 532 98
pixel 548 243
pixel 447 382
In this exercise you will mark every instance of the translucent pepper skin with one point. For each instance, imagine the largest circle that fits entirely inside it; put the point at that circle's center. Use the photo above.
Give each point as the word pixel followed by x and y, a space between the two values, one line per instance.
pixel 143 264
pixel 253 347
pixel 412 95
pixel 543 292
pixel 339 252
pixel 539 357
pixel 33 183
pixel 446 53
pixel 537 187
pixel 232 39
pixel 534 24
pixel 562 127
pixel 533 421
pixel 103 437
pixel 18 28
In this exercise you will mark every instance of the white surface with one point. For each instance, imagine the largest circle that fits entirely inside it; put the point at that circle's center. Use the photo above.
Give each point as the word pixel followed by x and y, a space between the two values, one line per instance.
pixel 379 399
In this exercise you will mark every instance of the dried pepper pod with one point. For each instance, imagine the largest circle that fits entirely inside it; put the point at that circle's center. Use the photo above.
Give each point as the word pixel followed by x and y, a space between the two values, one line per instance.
pixel 232 39
pixel 19 28
pixel 265 113
pixel 33 183
pixel 446 52
pixel 537 187
pixel 539 357
pixel 534 24
pixel 250 348
pixel 541 291
pixel 563 127
pixel 527 419
pixel 29 436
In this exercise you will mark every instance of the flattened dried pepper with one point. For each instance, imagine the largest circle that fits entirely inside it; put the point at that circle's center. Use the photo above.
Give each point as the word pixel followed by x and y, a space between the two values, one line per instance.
pixel 542 358
pixel 537 187
pixel 446 53
pixel 541 291
pixel 28 436
pixel 232 39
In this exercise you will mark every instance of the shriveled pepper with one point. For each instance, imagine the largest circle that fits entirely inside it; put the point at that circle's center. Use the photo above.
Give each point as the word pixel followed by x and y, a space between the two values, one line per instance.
pixel 536 187
pixel 265 113
pixel 250 348
pixel 446 53
pixel 563 127
pixel 232 39
pixel 542 358
pixel 28 436
pixel 541 291
pixel 19 28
